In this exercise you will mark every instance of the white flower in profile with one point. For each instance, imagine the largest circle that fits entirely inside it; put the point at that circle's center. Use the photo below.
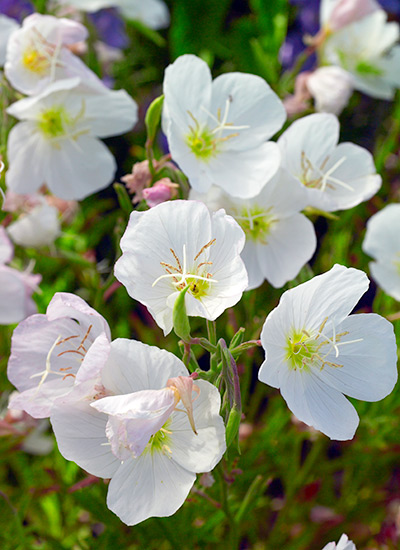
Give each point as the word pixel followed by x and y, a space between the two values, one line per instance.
pixel 145 425
pixel 382 242
pixel 16 287
pixel 336 14
pixel 279 239
pixel 343 544
pixel 38 54
pixel 38 227
pixel 316 352
pixel 153 13
pixel 7 27
pixel 180 244
pixel 368 49
pixel 56 143
pixel 217 130
pixel 336 177
pixel 48 350
pixel 331 87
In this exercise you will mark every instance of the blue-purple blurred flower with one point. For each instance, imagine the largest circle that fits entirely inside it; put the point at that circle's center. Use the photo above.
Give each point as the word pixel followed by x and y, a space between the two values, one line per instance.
pixel 110 27
pixel 16 9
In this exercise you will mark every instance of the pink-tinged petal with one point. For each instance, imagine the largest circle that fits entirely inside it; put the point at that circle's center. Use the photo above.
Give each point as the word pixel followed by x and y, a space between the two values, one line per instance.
pixel 152 485
pixel 39 400
pixel 14 296
pixel 94 360
pixel 81 437
pixel 6 247
pixel 65 304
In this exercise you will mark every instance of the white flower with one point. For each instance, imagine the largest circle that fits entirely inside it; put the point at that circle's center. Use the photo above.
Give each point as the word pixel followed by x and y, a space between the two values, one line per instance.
pixel 316 352
pixel 336 14
pixel 336 177
pixel 140 434
pixel 48 350
pixel 38 54
pixel 343 544
pixel 178 244
pixel 39 227
pixel 153 13
pixel 217 131
pixel 56 143
pixel 367 49
pixel 382 242
pixel 7 27
pixel 279 240
pixel 331 88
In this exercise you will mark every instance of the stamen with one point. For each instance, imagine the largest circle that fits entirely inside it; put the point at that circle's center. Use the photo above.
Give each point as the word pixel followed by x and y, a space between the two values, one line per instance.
pixel 204 248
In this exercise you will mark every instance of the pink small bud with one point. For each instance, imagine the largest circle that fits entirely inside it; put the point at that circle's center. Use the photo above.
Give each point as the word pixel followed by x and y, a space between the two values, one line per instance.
pixel 138 180
pixel 346 12
pixel 331 88
pixel 163 190
pixel 298 102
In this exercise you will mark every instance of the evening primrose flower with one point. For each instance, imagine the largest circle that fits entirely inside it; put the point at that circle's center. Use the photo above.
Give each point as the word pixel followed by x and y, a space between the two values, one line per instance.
pixel 279 239
pixel 180 244
pixel 48 350
pixel 382 242
pixel 316 352
pixel 343 544
pixel 368 49
pixel 56 142
pixel 38 227
pixel 217 131
pixel 146 425
pixel 38 54
pixel 336 177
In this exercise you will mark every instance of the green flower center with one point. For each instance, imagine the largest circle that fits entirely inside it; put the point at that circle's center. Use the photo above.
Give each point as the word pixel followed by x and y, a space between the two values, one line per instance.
pixel 256 222
pixel 159 442
pixel 202 143
pixel 53 122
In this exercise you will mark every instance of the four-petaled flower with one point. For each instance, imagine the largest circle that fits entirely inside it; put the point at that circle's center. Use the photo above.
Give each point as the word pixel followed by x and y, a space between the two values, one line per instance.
pixel 316 352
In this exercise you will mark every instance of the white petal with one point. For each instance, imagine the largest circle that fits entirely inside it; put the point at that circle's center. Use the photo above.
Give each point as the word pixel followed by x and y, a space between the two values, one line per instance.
pixel 134 366
pixel 111 113
pixel 318 405
pixel 201 452
pixel 152 485
pixel 382 238
pixel 251 103
pixel 81 437
pixel 387 276
pixel 369 369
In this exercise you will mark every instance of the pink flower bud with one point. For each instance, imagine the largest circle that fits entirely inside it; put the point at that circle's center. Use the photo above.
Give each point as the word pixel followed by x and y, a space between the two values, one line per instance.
pixel 331 88
pixel 138 180
pixel 163 190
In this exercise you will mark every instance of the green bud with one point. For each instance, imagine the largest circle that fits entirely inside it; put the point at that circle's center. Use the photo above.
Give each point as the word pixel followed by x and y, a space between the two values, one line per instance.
pixel 180 318
pixel 123 198
pixel 232 427
pixel 237 338
pixel 153 116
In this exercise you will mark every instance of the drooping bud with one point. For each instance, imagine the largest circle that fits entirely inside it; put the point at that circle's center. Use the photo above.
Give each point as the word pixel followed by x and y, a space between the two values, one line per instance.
pixel 331 88
pixel 185 388
pixel 163 190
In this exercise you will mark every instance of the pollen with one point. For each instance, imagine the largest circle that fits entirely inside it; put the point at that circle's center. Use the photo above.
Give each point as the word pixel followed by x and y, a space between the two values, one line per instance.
pixel 35 61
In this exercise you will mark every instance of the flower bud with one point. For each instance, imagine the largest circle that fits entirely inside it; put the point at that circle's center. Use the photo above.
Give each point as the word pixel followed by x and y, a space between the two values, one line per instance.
pixel 331 88
pixel 163 190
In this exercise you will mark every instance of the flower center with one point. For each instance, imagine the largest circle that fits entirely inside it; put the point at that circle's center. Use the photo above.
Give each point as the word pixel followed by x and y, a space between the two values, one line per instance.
pixel 57 123
pixel 53 121
pixel 198 278
pixel 159 442
pixel 74 346
pixel 255 222
pixel 315 177
pixel 36 61
pixel 205 142
pixel 306 350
